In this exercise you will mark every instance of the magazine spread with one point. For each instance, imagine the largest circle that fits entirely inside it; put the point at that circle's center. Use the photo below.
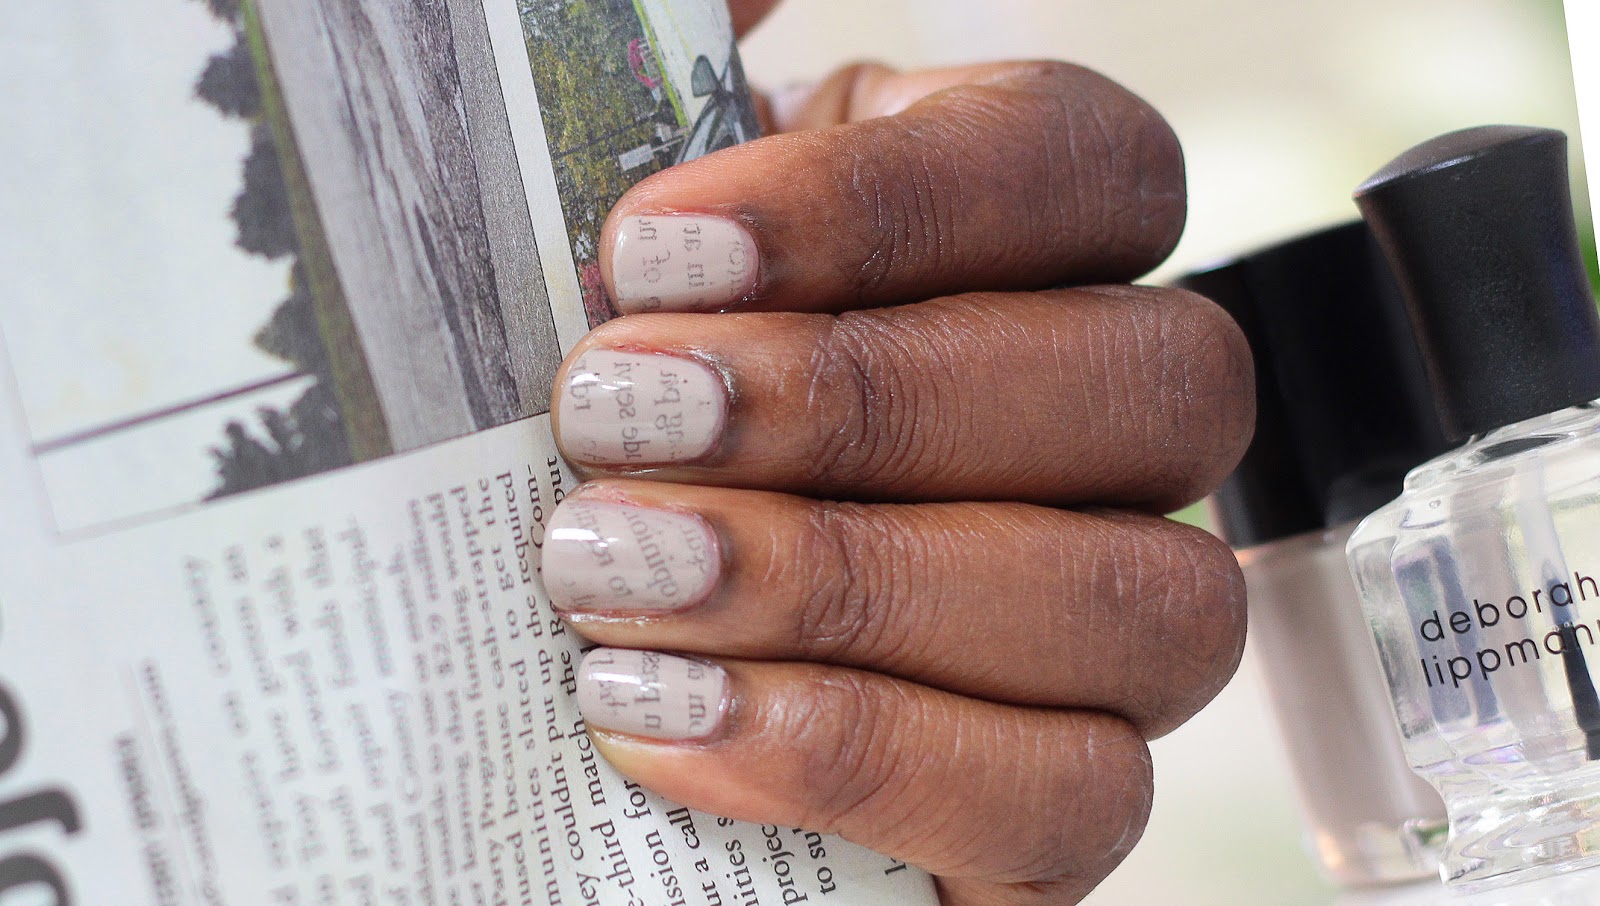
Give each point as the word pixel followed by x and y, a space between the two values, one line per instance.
pixel 286 285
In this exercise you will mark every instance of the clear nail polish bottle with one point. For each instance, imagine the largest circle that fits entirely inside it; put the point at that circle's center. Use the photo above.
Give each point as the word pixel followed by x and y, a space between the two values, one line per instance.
pixel 1482 581
pixel 1332 444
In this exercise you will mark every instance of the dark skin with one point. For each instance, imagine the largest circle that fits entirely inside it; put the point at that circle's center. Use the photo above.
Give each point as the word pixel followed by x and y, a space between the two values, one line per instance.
pixel 950 612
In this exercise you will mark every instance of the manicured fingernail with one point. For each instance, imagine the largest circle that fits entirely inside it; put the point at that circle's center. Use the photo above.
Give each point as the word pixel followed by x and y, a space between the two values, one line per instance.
pixel 659 696
pixel 635 409
pixel 681 262
pixel 615 558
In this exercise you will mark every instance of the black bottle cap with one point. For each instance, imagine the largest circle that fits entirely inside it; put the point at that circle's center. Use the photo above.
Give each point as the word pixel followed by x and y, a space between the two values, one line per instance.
pixel 1342 406
pixel 1478 227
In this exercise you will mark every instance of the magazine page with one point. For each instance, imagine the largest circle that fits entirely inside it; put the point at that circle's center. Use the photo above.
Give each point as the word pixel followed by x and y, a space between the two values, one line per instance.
pixel 286 284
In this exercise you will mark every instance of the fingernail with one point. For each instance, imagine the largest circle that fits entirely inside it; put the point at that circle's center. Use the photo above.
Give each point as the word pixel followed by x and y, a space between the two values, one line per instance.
pixel 658 696
pixel 608 557
pixel 681 262
pixel 633 409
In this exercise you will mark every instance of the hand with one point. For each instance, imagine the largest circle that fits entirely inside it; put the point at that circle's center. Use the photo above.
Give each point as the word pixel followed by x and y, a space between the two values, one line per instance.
pixel 901 526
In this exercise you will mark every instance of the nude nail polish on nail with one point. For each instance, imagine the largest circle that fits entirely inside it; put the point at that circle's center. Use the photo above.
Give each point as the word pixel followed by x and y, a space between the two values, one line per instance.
pixel 606 557
pixel 633 409
pixel 659 696
pixel 681 262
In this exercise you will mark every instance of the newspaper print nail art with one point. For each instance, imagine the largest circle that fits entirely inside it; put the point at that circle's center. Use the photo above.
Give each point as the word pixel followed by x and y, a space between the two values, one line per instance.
pixel 607 557
pixel 659 696
pixel 681 262
pixel 634 409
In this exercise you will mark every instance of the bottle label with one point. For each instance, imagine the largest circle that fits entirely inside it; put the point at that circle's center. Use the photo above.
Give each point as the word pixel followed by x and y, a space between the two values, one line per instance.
pixel 1546 621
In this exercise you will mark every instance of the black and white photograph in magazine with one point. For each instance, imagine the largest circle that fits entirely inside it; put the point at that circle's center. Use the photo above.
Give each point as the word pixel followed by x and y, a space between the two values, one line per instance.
pixel 283 237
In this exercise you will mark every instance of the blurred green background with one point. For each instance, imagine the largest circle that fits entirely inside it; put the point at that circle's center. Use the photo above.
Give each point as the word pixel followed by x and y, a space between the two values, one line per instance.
pixel 1282 108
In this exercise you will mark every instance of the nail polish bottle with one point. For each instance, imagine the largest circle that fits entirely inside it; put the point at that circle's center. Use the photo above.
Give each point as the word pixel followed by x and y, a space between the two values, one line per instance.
pixel 1332 444
pixel 1482 581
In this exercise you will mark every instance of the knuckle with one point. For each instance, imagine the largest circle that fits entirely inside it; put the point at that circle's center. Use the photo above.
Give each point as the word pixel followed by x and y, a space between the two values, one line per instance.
pixel 865 396
pixel 1214 338
pixel 845 401
pixel 903 192
pixel 1139 189
pixel 839 610
pixel 853 767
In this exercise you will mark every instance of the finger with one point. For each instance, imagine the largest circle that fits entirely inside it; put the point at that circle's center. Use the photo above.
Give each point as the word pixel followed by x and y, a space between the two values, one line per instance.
pixel 1133 615
pixel 747 14
pixel 1002 801
pixel 1025 176
pixel 1120 396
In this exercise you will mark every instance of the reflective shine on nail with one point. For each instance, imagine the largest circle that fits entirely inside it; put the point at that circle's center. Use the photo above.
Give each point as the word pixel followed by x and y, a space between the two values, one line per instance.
pixel 659 696
pixel 681 262
pixel 614 558
pixel 637 409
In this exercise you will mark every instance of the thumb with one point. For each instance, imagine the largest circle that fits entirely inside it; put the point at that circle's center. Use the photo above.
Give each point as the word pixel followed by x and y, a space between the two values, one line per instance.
pixel 749 13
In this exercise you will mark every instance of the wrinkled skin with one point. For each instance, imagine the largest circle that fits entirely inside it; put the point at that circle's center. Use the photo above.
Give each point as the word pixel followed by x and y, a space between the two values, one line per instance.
pixel 950 612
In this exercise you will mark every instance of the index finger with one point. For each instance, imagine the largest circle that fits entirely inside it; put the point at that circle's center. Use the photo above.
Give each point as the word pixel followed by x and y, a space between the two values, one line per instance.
pixel 1027 176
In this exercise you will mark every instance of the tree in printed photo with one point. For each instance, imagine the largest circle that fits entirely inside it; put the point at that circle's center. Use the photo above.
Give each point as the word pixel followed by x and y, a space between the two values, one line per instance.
pixel 309 437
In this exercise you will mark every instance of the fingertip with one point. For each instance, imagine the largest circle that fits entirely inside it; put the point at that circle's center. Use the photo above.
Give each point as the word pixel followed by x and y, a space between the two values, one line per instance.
pixel 1160 182
pixel 648 762
pixel 1205 418
pixel 696 777
pixel 1220 360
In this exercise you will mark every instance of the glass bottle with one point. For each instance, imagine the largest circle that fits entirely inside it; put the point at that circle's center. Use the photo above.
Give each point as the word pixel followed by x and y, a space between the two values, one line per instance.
pixel 1481 583
pixel 1330 447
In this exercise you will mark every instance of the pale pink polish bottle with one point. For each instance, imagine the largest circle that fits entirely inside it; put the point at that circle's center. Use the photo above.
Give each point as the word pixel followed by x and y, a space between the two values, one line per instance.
pixel 1342 415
